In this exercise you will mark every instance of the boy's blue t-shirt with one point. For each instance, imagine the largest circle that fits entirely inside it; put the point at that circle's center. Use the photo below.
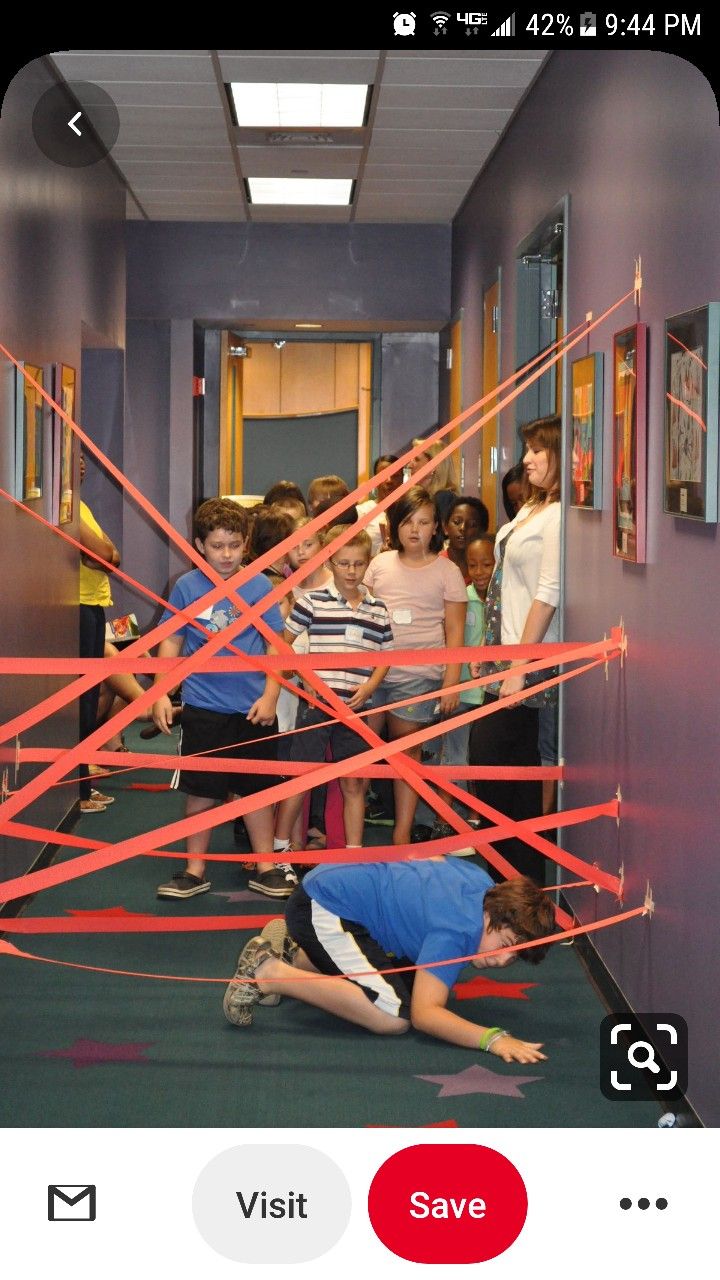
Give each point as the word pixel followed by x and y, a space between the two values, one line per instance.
pixel 423 910
pixel 216 691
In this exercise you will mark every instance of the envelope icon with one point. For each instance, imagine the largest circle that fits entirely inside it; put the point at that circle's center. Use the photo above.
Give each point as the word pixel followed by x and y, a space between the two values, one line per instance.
pixel 71 1204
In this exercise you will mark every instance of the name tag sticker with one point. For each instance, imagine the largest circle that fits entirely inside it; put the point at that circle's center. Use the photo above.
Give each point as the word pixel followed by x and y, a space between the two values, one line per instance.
pixel 470 618
pixel 403 617
pixel 354 635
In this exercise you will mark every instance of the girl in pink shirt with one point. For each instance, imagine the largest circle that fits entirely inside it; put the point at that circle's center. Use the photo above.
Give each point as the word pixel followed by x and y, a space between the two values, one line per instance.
pixel 426 598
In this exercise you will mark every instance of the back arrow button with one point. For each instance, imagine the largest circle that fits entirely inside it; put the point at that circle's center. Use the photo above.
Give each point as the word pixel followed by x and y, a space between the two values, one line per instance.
pixel 75 124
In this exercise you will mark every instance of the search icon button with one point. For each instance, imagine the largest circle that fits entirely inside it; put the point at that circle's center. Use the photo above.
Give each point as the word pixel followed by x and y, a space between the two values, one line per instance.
pixel 647 1061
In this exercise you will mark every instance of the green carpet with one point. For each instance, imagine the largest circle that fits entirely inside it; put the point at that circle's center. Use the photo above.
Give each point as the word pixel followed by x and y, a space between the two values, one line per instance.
pixel 62 1030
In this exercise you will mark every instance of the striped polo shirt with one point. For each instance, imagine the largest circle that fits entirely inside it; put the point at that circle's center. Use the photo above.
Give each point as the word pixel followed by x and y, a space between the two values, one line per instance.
pixel 333 626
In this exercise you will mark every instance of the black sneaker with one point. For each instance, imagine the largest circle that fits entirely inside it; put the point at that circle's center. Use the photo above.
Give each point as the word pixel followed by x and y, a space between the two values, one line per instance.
pixel 421 833
pixel 183 885
pixel 241 996
pixel 376 814
pixel 442 829
pixel 279 882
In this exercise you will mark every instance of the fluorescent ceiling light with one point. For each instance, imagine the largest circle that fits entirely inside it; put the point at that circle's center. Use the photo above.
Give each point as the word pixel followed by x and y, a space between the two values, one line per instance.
pixel 307 325
pixel 299 105
pixel 300 190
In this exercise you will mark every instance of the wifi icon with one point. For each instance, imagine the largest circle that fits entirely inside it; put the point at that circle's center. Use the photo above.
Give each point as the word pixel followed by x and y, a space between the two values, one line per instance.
pixel 440 18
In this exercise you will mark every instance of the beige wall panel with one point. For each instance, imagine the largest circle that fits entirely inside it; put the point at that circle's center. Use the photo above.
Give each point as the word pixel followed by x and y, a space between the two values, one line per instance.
pixel 308 378
pixel 346 374
pixel 261 383
pixel 364 351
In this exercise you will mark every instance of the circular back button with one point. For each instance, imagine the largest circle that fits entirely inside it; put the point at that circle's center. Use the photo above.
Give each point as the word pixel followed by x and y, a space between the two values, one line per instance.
pixel 447 1203
pixel 76 124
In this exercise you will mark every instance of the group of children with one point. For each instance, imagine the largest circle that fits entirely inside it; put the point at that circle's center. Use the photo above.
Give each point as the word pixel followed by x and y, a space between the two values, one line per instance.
pixel 391 587
pixel 413 594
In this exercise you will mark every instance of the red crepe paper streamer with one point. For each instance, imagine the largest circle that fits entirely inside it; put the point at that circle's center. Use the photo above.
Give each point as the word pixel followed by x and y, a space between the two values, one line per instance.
pixel 253 922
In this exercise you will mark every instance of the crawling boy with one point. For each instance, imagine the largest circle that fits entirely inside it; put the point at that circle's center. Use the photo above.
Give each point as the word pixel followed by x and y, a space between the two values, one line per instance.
pixel 362 919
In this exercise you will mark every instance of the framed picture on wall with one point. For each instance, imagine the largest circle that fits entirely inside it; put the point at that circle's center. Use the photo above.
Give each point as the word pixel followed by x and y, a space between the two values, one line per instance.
pixel 692 363
pixel 630 442
pixel 29 435
pixel 64 394
pixel 586 387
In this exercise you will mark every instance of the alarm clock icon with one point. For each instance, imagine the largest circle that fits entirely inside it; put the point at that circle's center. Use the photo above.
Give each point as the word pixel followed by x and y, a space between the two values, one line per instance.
pixel 404 24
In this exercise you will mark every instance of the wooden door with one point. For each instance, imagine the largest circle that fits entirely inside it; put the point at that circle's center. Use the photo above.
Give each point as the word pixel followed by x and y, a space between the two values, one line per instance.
pixel 491 371
pixel 456 400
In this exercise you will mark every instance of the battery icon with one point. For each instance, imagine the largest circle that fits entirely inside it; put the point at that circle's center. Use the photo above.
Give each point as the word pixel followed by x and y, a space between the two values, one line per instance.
pixel 588 24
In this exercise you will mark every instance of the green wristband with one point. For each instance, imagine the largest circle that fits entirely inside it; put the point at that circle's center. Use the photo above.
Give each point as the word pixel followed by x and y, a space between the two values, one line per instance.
pixel 488 1036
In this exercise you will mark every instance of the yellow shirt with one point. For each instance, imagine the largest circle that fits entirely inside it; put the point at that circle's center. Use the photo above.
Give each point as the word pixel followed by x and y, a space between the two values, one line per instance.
pixel 94 583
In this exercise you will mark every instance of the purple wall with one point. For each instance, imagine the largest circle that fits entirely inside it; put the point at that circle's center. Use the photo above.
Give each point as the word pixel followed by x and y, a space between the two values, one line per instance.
pixel 236 273
pixel 633 139
pixel 61 280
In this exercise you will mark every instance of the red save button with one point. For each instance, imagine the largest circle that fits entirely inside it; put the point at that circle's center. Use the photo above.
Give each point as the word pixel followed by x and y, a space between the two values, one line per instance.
pixel 447 1203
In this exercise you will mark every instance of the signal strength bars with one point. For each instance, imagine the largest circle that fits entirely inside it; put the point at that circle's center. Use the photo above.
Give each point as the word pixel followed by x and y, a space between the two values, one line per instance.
pixel 507 28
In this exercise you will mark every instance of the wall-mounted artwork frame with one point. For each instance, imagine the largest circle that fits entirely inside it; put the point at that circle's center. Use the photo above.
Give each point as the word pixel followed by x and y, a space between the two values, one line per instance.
pixel 692 370
pixel 586 416
pixel 29 435
pixel 630 443
pixel 64 395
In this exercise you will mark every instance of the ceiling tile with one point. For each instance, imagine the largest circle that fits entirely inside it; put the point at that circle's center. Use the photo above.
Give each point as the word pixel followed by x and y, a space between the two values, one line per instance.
pixel 156 66
pixel 312 67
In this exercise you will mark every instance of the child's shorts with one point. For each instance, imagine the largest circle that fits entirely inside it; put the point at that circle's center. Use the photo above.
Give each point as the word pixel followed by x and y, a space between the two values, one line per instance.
pixel 338 946
pixel 205 733
pixel 412 687
pixel 311 745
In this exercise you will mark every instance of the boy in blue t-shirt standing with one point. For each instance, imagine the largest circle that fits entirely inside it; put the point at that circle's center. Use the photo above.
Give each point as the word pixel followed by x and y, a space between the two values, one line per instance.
pixel 223 712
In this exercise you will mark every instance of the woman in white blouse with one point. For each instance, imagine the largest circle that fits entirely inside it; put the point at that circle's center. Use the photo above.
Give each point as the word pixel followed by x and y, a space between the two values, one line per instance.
pixel 521 608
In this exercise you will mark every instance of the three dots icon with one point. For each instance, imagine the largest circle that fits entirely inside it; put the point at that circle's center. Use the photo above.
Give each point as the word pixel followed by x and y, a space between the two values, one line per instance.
pixel 643 1203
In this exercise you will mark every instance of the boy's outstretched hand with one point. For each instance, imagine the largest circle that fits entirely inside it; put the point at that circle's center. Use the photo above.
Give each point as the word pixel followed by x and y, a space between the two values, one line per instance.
pixel 512 1050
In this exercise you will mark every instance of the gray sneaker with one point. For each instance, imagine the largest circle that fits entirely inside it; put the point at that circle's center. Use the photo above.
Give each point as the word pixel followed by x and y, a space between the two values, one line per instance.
pixel 275 932
pixel 241 995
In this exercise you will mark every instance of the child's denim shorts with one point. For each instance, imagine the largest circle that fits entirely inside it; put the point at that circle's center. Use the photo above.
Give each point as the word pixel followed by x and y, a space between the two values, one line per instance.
pixel 420 712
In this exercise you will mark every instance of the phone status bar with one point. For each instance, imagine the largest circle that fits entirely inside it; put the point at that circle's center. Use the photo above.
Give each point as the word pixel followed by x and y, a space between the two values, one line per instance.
pixel 557 29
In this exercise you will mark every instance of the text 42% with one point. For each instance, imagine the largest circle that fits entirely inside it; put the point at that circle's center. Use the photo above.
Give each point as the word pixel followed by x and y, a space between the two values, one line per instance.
pixel 543 24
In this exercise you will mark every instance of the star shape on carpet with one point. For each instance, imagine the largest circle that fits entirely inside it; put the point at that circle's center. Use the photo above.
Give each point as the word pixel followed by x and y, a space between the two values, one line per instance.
pixel 235 895
pixel 113 912
pixel 92 1053
pixel 478 987
pixel 477 1079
